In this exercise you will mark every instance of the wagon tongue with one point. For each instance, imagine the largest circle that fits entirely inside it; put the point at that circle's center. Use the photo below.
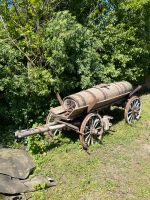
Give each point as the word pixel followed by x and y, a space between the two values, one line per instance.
pixel 40 129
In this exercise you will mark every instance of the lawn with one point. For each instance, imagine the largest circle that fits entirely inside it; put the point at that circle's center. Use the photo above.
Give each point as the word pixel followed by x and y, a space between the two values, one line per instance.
pixel 116 169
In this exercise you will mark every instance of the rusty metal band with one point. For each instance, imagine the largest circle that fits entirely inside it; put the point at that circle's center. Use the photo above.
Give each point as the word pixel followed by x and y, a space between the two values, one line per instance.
pixel 105 95
pixel 82 98
pixel 93 95
pixel 119 90
pixel 121 83
pixel 126 84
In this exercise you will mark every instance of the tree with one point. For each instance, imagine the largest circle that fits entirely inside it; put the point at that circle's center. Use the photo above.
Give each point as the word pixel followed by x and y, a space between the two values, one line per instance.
pixel 53 45
pixel 122 27
pixel 71 53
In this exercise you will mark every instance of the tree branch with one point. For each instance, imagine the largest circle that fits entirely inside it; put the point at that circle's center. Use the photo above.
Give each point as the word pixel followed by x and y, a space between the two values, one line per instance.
pixel 14 42
pixel 17 12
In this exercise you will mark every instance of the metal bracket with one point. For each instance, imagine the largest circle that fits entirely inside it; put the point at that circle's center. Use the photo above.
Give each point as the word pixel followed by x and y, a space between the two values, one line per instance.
pixel 135 90
pixel 106 120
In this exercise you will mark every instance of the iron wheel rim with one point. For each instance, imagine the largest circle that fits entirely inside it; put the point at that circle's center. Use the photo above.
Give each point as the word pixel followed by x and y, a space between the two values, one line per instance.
pixel 133 110
pixel 91 130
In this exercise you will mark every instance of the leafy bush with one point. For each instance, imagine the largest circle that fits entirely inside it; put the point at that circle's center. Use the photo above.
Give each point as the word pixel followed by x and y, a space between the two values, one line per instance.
pixel 45 48
pixel 71 53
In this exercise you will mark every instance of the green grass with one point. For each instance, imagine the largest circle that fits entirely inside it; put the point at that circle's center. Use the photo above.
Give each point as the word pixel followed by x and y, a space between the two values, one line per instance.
pixel 116 169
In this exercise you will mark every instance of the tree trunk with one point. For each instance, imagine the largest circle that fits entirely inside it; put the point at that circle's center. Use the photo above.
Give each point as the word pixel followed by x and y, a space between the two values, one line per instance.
pixel 147 81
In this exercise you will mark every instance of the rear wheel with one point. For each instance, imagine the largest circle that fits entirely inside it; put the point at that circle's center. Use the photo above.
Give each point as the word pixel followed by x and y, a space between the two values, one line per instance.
pixel 91 130
pixel 50 119
pixel 132 110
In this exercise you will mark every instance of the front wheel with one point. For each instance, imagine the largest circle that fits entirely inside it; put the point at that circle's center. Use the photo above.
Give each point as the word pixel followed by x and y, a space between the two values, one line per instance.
pixel 91 130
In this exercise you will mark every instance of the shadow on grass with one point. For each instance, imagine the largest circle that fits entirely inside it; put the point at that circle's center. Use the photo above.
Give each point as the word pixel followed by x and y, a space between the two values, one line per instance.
pixel 65 137
pixel 118 115
pixel 68 137
pixel 144 91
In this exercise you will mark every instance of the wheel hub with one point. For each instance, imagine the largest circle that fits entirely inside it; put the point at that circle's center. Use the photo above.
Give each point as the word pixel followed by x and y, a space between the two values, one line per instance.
pixel 93 131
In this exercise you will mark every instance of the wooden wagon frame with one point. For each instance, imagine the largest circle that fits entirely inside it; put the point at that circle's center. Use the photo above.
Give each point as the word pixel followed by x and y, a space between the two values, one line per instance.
pixel 86 120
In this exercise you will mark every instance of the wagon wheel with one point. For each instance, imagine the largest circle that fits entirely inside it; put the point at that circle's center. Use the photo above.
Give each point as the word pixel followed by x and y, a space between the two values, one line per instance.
pixel 132 110
pixel 49 119
pixel 91 130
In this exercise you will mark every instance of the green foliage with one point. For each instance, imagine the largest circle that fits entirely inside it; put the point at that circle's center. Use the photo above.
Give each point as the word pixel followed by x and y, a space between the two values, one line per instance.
pixel 38 195
pixel 36 144
pixel 49 46
pixel 22 87
pixel 71 53
pixel 121 52
pixel 123 48
pixel 39 186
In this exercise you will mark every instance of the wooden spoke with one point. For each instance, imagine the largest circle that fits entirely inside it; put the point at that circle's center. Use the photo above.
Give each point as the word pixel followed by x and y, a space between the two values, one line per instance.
pixel 91 129
pixel 132 110
pixel 50 119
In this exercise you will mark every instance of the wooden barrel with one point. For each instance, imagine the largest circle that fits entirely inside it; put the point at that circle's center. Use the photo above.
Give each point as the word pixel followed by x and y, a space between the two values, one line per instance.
pixel 96 94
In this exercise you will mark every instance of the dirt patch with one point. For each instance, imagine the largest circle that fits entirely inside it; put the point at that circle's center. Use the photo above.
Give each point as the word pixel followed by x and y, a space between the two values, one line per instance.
pixel 146 147
pixel 147 123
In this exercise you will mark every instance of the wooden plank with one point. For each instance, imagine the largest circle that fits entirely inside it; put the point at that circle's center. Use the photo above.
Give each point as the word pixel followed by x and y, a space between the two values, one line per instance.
pixel 77 112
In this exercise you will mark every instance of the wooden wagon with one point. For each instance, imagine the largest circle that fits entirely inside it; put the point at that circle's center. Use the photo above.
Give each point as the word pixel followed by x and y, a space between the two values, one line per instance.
pixel 80 112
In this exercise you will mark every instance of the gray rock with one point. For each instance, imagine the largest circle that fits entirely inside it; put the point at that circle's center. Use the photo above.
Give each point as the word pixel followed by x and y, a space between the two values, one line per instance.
pixel 15 168
pixel 9 185
pixel 15 163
